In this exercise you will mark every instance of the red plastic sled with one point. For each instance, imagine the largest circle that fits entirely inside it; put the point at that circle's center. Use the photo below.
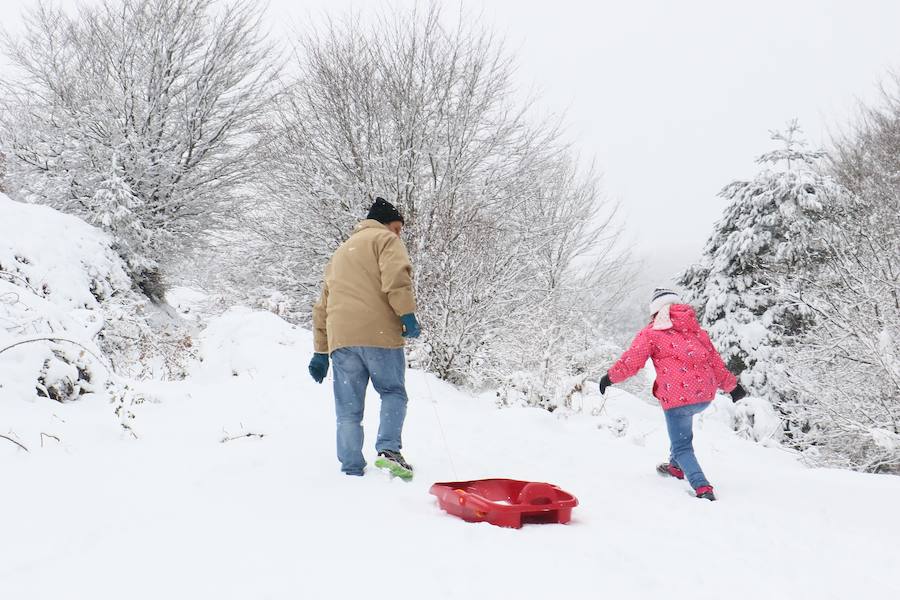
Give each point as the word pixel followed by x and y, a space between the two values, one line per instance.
pixel 505 502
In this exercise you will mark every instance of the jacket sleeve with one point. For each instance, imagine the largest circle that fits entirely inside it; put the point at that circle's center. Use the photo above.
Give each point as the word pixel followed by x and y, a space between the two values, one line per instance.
pixel 396 275
pixel 320 331
pixel 724 379
pixel 633 360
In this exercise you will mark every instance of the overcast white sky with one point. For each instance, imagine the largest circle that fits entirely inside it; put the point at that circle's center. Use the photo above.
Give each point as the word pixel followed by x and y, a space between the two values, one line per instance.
pixel 674 99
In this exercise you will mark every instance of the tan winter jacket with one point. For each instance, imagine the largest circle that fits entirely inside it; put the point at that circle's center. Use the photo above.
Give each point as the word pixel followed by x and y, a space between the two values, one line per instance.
pixel 368 286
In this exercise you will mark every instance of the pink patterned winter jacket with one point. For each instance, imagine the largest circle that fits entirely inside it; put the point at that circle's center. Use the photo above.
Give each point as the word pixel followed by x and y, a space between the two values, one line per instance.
pixel 688 368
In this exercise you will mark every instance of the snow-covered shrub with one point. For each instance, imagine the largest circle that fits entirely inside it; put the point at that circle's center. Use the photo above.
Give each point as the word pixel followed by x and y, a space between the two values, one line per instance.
pixel 148 340
pixel 846 371
pixel 558 379
pixel 756 419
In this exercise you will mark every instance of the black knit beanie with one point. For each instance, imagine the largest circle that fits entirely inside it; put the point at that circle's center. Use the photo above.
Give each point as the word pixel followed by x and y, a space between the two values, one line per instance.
pixel 384 212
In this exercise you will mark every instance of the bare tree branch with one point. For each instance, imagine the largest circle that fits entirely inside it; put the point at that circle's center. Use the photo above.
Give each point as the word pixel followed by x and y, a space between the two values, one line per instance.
pixel 14 442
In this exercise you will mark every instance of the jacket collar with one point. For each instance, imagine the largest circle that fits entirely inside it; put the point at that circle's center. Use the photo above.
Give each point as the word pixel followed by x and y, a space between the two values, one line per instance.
pixel 369 224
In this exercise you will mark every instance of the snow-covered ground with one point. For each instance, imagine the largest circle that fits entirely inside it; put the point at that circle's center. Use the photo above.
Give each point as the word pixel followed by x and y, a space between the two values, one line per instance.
pixel 225 485
pixel 178 513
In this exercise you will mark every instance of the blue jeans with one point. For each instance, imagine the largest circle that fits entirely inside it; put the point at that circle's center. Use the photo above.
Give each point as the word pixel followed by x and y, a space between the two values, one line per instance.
pixel 679 422
pixel 353 368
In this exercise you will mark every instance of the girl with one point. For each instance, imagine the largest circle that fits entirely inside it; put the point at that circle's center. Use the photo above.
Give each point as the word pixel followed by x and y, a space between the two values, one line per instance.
pixel 688 373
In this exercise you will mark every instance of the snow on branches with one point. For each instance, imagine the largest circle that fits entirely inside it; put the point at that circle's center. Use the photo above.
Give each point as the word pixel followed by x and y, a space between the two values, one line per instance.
pixel 846 371
pixel 509 241
pixel 137 115
pixel 771 232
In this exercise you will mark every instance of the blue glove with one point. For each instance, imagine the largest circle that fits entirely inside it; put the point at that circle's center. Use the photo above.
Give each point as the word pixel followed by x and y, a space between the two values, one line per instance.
pixel 604 383
pixel 410 326
pixel 318 366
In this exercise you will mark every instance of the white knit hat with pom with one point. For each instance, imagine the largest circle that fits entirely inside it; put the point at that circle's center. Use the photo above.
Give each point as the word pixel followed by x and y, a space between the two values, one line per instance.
pixel 659 306
pixel 662 297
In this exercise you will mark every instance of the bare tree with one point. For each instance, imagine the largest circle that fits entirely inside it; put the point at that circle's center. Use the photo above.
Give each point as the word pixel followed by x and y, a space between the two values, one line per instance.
pixel 847 370
pixel 506 235
pixel 138 115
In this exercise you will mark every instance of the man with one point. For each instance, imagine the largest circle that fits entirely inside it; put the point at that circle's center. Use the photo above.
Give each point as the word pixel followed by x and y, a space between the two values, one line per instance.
pixel 366 309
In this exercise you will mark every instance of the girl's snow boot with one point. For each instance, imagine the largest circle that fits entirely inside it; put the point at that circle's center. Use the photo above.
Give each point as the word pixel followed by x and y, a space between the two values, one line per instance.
pixel 705 492
pixel 670 470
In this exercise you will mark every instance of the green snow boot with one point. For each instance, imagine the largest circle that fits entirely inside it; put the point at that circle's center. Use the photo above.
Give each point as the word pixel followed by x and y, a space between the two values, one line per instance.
pixel 393 463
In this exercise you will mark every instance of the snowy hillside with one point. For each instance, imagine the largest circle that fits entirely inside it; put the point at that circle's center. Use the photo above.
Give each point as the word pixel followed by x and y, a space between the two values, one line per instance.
pixel 55 272
pixel 68 309
pixel 94 513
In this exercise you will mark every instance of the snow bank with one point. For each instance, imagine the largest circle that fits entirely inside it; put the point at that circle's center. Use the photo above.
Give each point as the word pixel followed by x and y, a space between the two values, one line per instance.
pixel 70 320
pixel 55 272
pixel 58 256
pixel 248 342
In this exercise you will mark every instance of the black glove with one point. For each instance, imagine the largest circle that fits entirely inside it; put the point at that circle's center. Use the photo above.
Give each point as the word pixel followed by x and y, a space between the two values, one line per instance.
pixel 737 393
pixel 604 383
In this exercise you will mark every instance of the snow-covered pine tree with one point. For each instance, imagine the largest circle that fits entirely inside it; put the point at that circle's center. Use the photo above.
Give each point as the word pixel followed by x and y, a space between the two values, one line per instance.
pixel 771 231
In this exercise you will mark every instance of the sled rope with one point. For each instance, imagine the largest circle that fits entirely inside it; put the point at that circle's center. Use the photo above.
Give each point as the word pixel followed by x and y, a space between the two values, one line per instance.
pixel 437 417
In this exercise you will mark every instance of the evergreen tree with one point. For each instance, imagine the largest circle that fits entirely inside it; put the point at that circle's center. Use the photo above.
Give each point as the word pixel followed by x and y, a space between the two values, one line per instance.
pixel 770 233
